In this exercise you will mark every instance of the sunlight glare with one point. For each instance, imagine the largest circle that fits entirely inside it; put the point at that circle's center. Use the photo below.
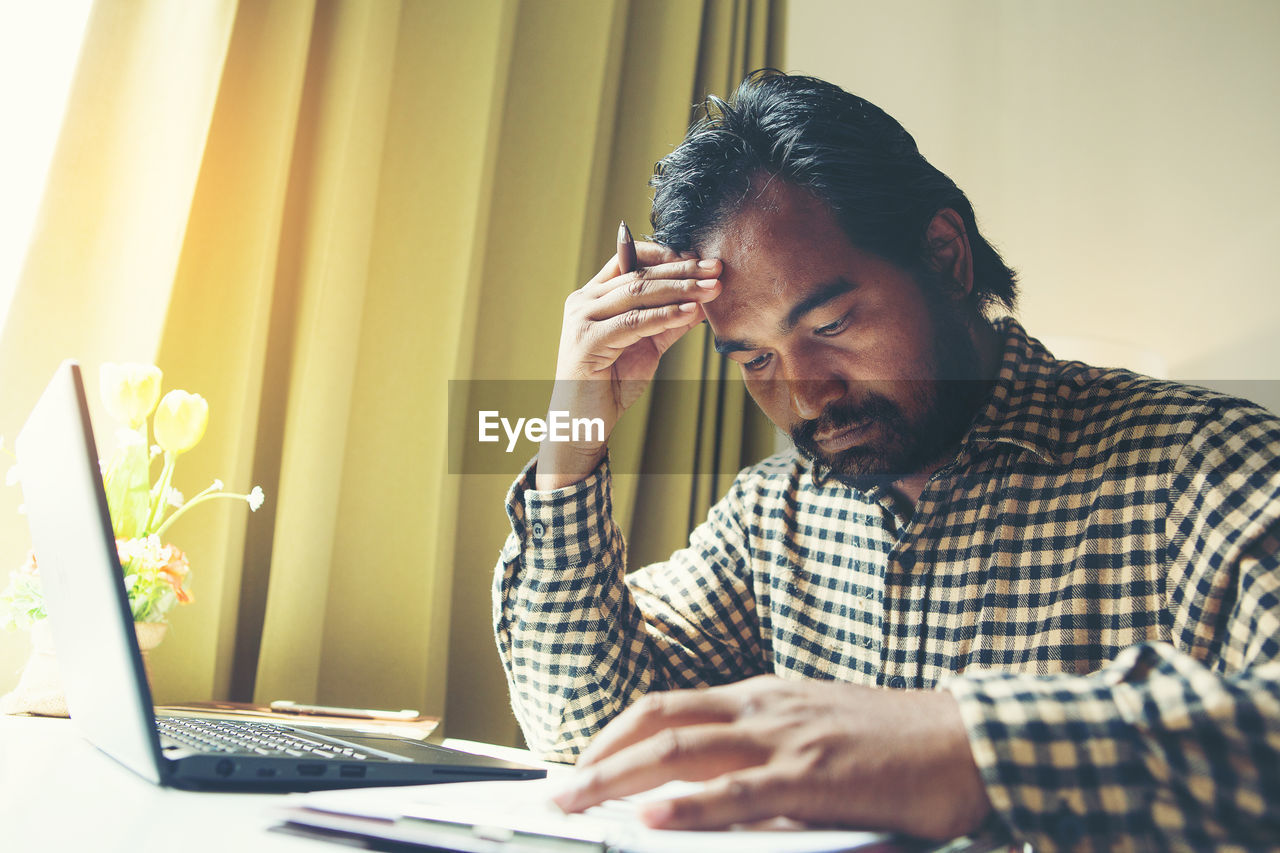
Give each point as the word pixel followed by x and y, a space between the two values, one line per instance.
pixel 39 45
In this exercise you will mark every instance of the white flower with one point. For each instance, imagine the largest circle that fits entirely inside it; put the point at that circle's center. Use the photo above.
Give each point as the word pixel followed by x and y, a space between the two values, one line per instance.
pixel 130 391
pixel 217 486
pixel 256 498
pixel 180 421
pixel 127 437
pixel 174 498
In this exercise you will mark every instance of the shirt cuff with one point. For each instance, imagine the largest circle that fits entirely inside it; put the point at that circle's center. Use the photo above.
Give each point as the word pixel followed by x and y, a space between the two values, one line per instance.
pixel 560 528
pixel 1061 764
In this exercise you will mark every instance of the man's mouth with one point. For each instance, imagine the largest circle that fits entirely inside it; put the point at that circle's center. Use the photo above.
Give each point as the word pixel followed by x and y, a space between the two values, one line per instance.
pixel 841 439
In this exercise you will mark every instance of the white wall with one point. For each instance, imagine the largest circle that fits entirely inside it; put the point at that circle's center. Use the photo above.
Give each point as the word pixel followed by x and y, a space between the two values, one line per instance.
pixel 1124 156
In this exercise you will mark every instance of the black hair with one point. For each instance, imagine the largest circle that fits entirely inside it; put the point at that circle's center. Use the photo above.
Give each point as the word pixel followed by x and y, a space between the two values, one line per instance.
pixel 843 149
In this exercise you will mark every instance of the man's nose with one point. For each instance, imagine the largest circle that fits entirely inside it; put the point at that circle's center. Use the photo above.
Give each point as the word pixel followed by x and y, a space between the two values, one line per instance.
pixel 809 397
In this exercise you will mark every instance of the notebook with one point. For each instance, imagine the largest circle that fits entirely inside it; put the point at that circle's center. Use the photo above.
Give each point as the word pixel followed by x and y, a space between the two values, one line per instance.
pixel 107 690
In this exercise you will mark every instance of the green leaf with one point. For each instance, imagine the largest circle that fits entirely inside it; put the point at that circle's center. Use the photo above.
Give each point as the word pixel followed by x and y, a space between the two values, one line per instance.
pixel 22 602
pixel 128 488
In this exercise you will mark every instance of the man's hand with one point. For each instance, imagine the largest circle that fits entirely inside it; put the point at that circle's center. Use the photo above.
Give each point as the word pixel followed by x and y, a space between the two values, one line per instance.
pixel 615 329
pixel 820 752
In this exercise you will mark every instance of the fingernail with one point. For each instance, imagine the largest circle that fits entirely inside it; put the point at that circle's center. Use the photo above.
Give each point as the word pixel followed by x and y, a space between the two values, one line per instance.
pixel 564 799
pixel 708 283
pixel 708 263
pixel 571 792
pixel 687 307
pixel 657 815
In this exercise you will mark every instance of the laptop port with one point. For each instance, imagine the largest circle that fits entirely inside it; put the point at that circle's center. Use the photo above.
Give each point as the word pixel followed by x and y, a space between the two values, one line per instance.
pixel 351 771
pixel 311 769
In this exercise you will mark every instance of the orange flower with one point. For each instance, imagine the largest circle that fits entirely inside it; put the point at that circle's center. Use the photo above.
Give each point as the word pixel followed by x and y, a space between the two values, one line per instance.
pixel 175 570
pixel 148 558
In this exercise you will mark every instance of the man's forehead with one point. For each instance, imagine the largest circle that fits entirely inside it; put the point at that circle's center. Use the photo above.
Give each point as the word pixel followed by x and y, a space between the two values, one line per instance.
pixel 769 203
pixel 778 245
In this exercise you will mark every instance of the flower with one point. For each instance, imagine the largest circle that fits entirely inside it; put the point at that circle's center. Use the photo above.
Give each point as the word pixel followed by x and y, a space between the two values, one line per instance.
pixel 254 499
pixel 180 421
pixel 155 575
pixel 130 391
pixel 22 602
pixel 155 572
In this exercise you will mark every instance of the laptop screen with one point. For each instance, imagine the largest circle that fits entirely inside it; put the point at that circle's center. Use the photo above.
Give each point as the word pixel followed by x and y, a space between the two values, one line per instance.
pixel 88 609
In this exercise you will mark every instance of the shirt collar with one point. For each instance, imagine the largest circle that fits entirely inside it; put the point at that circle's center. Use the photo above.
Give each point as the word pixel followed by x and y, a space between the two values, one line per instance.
pixel 1025 407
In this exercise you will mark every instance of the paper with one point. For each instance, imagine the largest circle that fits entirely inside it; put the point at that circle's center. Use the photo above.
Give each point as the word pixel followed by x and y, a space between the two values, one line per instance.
pixel 526 806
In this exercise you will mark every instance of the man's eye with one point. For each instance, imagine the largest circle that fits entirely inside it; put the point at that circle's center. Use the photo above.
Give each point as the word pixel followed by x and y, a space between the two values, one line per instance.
pixel 757 363
pixel 832 328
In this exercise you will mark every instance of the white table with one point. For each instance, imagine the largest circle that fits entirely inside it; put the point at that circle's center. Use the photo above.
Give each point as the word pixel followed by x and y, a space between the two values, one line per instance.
pixel 58 793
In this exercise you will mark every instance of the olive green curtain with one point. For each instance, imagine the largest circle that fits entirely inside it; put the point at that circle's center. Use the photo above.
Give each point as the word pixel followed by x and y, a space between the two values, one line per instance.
pixel 596 120
pixel 317 214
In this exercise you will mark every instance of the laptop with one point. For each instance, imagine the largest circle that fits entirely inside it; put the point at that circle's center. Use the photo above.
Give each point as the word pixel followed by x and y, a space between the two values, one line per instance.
pixel 107 690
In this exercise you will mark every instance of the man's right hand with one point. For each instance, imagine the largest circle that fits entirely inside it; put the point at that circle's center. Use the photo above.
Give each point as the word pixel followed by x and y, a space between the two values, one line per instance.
pixel 615 329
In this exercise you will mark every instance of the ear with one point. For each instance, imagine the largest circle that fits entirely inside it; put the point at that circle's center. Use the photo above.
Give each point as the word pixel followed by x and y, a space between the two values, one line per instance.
pixel 946 249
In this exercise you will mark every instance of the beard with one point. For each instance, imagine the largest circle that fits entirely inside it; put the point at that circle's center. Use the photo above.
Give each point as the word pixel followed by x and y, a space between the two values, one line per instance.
pixel 918 427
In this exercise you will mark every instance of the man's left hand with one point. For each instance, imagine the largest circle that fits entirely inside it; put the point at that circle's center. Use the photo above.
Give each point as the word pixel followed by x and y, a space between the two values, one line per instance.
pixel 819 752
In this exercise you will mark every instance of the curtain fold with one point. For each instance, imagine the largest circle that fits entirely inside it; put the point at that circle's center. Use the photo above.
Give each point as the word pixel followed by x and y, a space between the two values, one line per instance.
pixel 352 204
pixel 327 289
pixel 701 413
pixel 619 97
pixel 217 328
pixel 387 618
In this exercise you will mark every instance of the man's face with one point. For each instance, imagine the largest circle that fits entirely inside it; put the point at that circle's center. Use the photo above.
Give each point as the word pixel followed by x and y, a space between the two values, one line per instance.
pixel 870 370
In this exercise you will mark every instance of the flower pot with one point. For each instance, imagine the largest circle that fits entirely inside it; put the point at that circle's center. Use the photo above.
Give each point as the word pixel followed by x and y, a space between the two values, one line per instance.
pixel 39 690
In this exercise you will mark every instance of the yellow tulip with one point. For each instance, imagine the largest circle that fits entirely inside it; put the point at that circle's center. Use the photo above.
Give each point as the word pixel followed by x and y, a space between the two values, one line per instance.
pixel 180 421
pixel 130 391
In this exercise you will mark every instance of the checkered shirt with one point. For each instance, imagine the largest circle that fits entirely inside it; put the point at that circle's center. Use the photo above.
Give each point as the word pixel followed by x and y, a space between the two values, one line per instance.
pixel 1095 578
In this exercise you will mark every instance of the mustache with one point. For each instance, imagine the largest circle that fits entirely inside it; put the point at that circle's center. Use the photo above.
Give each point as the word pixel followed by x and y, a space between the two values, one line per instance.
pixel 841 414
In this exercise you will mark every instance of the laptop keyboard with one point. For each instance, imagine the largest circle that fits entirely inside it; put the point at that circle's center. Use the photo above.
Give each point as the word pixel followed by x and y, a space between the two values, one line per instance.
pixel 208 735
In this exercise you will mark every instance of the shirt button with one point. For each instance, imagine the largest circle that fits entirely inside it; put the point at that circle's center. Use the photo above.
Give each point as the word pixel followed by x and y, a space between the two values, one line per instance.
pixel 538 530
pixel 897 682
pixel 907 560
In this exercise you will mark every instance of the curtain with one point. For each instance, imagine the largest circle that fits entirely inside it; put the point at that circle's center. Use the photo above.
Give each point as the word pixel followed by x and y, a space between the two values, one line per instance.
pixel 317 214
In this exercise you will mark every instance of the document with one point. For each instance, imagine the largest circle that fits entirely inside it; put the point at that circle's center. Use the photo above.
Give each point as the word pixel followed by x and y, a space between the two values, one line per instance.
pixel 519 817
pixel 514 817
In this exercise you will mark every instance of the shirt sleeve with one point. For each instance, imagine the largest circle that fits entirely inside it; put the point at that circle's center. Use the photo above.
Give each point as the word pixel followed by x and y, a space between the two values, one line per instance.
pixel 1173 745
pixel 580 639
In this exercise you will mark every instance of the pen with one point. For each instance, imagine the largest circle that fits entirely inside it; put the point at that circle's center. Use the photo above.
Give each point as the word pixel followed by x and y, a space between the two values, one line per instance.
pixel 284 706
pixel 626 249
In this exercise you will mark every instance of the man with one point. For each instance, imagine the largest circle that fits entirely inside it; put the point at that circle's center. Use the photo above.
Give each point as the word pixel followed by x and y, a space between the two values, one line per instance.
pixel 988 585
